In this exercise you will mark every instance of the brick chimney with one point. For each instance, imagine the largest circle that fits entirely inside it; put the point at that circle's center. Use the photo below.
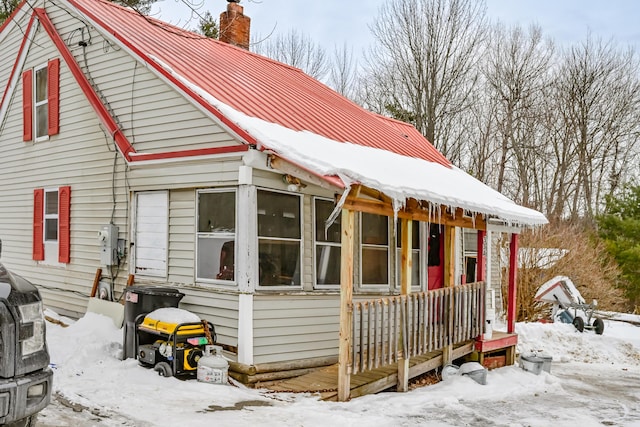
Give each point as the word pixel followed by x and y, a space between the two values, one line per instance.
pixel 234 25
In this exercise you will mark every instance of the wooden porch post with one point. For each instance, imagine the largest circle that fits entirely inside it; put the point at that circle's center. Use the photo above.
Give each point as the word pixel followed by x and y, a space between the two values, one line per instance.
pixel 513 274
pixel 480 261
pixel 406 262
pixel 346 313
pixel 449 281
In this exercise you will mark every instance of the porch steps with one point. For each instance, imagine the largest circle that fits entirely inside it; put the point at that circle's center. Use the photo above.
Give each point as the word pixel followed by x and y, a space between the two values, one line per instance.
pixel 324 381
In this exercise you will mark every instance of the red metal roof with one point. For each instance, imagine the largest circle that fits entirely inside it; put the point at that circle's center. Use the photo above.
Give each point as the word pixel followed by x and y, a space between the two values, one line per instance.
pixel 255 85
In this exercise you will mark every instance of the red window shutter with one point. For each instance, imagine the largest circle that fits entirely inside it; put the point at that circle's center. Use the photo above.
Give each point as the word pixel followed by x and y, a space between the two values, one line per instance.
pixel 53 95
pixel 38 217
pixel 64 224
pixel 27 105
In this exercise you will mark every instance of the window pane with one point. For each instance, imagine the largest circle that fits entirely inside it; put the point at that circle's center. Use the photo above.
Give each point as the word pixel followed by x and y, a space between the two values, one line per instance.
pixel 216 258
pixel 42 120
pixel 323 210
pixel 415 235
pixel 375 229
pixel 327 265
pixel 375 270
pixel 51 229
pixel 217 212
pixel 278 215
pixel 41 84
pixel 279 263
pixel 51 203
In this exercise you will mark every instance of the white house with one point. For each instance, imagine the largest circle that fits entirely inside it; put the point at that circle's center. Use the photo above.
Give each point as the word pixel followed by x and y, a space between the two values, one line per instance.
pixel 217 169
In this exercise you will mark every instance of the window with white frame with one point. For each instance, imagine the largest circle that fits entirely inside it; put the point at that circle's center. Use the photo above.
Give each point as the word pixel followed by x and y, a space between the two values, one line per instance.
pixel 41 103
pixel 216 235
pixel 415 253
pixel 279 239
pixel 327 244
pixel 51 216
pixel 52 225
pixel 374 249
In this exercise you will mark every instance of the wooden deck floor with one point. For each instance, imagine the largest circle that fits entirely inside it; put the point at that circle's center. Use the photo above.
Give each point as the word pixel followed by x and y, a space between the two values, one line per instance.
pixel 324 381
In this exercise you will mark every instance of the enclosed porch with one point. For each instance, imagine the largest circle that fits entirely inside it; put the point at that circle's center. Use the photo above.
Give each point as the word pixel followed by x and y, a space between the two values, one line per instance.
pixel 386 341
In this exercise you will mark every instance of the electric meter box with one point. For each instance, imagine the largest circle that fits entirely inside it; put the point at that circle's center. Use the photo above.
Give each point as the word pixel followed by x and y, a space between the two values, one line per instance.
pixel 108 238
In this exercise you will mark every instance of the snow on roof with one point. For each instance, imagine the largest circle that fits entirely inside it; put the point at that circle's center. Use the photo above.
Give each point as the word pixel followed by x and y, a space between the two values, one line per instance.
pixel 399 177
pixel 302 120
pixel 253 84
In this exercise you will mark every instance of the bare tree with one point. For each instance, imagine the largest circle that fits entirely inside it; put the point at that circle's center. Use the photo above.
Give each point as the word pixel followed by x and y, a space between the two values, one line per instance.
pixel 480 128
pixel 296 49
pixel 598 95
pixel 516 70
pixel 343 75
pixel 424 68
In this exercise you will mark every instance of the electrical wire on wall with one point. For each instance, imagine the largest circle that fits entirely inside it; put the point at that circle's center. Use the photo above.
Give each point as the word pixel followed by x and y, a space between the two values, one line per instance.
pixel 83 38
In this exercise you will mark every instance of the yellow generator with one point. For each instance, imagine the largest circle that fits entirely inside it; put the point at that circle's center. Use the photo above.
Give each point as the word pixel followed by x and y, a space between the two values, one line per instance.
pixel 172 341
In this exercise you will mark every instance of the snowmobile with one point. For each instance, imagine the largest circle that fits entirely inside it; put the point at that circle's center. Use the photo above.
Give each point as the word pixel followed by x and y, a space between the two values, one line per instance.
pixel 568 305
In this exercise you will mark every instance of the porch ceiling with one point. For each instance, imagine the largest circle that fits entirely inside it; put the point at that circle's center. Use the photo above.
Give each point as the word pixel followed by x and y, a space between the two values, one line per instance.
pixel 364 199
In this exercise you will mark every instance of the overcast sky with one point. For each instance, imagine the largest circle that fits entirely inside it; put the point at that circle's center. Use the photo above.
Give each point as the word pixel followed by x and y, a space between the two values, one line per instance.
pixel 331 22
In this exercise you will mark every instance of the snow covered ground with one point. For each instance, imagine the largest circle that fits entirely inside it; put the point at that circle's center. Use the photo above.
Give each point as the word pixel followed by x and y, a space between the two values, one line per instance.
pixel 594 381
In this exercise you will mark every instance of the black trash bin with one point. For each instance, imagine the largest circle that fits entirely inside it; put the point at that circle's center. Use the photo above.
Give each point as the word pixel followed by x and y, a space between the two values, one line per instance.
pixel 142 300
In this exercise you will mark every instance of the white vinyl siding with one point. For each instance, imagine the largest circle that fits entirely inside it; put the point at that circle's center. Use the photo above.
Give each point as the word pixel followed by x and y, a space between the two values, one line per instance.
pixel 83 157
pixel 221 309
pixel 292 327
pixel 83 162
pixel 151 228
pixel 154 117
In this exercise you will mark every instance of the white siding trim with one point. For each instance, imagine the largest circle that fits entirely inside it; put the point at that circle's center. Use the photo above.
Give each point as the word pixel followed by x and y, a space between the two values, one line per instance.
pixel 459 258
pixel 245 329
pixel 245 175
pixel 137 164
pixel 487 248
pixel 247 242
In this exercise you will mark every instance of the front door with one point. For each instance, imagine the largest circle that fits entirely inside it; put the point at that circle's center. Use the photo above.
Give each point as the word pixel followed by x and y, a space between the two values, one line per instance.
pixel 435 261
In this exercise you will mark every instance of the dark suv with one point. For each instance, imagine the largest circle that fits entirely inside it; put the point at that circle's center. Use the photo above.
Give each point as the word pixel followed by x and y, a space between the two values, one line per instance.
pixel 25 376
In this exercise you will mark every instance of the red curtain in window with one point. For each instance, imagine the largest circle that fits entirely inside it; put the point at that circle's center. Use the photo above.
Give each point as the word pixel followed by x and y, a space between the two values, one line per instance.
pixel 53 95
pixel 27 105
pixel 64 224
pixel 38 224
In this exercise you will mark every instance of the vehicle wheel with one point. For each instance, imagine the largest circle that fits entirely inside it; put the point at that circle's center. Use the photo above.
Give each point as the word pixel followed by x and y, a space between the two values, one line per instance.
pixel 163 369
pixel 578 322
pixel 598 325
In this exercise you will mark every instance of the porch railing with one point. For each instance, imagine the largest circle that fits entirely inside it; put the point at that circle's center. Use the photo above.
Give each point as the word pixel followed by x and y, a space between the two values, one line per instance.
pixel 386 329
